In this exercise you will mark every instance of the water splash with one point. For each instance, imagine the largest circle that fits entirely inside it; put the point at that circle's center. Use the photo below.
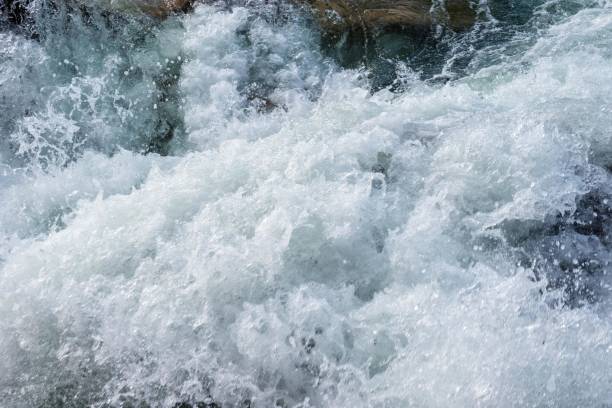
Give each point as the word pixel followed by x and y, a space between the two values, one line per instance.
pixel 307 240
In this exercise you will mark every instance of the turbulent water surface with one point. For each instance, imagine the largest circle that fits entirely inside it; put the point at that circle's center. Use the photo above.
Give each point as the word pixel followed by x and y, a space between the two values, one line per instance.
pixel 228 209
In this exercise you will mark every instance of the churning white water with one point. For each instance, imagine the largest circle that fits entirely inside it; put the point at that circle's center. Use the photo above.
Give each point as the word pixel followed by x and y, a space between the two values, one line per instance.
pixel 212 211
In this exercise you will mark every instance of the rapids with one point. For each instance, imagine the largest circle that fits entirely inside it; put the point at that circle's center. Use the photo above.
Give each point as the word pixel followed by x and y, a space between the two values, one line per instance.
pixel 224 209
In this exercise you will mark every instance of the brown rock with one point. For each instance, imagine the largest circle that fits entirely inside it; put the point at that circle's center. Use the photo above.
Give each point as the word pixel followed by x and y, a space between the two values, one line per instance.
pixel 460 15
pixel 164 7
pixel 155 8
pixel 341 15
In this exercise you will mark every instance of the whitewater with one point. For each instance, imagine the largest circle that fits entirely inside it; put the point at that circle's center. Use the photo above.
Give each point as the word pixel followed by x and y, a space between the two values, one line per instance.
pixel 225 209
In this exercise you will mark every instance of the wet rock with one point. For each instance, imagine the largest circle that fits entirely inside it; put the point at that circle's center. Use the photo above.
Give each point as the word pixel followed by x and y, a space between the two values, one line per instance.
pixel 155 8
pixel 459 14
pixel 343 15
pixel 363 15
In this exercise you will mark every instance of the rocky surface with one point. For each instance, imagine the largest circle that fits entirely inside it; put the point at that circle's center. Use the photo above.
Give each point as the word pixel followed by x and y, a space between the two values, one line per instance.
pixel 156 8
pixel 334 15
pixel 342 15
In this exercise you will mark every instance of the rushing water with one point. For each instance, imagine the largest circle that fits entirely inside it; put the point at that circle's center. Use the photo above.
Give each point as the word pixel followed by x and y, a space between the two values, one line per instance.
pixel 225 209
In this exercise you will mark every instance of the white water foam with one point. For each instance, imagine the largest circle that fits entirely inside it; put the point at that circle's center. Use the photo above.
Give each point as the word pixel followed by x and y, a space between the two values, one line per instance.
pixel 346 248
